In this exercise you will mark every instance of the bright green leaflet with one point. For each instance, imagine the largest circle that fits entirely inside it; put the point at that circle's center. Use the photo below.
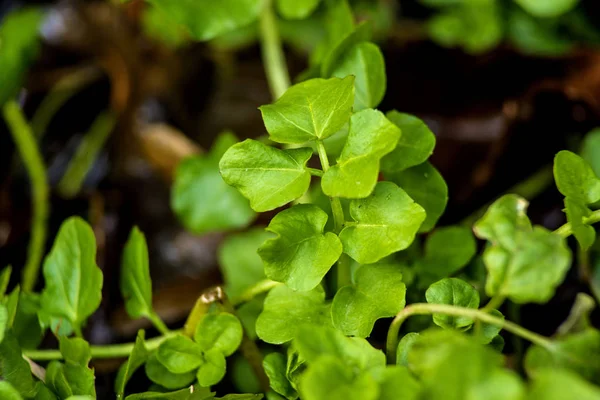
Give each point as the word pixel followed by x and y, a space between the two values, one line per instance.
pixel 275 368
pixel 8 392
pixel 547 8
pixel 137 358
pixel 13 367
pixel 454 292
pixel 378 293
pixel 331 379
pixel 220 331
pixel 212 369
pixel 180 354
pixel 386 222
pixel 365 62
pixel 371 137
pixel 447 250
pixel 285 310
pixel 73 280
pixel 576 212
pixel 572 352
pixel 397 382
pixel 203 202
pixel 160 374
pixel 425 185
pixel 414 147
pixel 590 150
pixel 266 176
pixel 404 346
pixel 206 20
pixel 575 178
pixel 239 261
pixel 311 110
pixel 75 350
pixel 301 254
pixel 19 46
pixel 296 9
pixel 551 384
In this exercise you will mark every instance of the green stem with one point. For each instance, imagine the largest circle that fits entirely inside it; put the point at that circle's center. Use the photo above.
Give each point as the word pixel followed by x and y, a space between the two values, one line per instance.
pixel 110 351
pixel 315 172
pixel 25 142
pixel 494 304
pixel 566 230
pixel 86 154
pixel 272 52
pixel 253 291
pixel 159 324
pixel 427 309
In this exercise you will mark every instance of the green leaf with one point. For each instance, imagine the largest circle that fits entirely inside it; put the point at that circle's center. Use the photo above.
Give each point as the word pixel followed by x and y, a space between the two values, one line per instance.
pixel 75 372
pixel 397 382
pixel 12 304
pixel 75 350
pixel 158 373
pixel 275 368
pixel 576 212
pixel 206 20
pixel 3 321
pixel 571 352
pixel 386 222
pixel 547 8
pixel 240 263
pixel 488 332
pixel 301 254
pixel 4 280
pixel 26 325
pixel 447 250
pixel 311 110
pixel 378 293
pixel 404 346
pixel 371 137
pixel 296 9
pixel 590 150
pixel 266 176
pixel 13 367
pixel 137 358
pixel 73 280
pixel 220 331
pixel 19 46
pixel 575 178
pixel 455 292
pixel 365 62
pixel 213 369
pixel 57 381
pixel 44 393
pixel 340 45
pixel 8 392
pixel 330 379
pixel 523 264
pixel 135 283
pixel 190 393
pixel 549 384
pixel 179 354
pixel 414 147
pixel 285 310
pixel 425 185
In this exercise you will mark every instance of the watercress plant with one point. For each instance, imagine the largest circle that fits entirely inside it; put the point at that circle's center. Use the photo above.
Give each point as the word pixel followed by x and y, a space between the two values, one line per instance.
pixel 302 297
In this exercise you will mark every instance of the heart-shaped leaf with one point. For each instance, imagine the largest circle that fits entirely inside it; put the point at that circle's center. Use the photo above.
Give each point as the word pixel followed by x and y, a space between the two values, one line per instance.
pixel 575 178
pixel 221 331
pixel 455 292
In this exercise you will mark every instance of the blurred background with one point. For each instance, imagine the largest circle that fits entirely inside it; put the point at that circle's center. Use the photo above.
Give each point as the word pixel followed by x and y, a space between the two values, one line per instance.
pixel 503 84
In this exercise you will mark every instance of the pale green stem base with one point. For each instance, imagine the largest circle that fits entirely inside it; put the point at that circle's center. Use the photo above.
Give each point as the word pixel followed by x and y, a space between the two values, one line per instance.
pixel 566 230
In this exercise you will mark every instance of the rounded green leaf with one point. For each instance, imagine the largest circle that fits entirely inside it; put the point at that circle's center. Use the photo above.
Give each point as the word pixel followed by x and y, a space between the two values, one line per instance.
pixel 205 19
pixel 575 178
pixel 414 147
pixel 576 212
pixel 310 110
pixel 378 293
pixel 213 368
pixel 488 332
pixel 203 202
pixel 135 283
pixel 296 9
pixel 397 382
pixel 75 350
pixel 386 222
pixel 301 254
pixel 266 176
pixel 365 62
pixel 455 292
pixel 179 354
pixel 404 346
pixel 285 310
pixel 275 368
pixel 8 392
pixel 590 150
pixel 221 331
pixel 560 384
pixel 425 185
pixel 547 8
pixel 73 280
pixel 159 374
pixel 371 137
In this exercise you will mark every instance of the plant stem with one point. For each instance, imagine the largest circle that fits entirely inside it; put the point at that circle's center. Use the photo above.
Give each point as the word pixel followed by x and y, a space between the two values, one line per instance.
pixel 86 154
pixel 566 230
pixel 315 172
pixel 25 142
pixel 272 52
pixel 253 291
pixel 109 351
pixel 426 309
pixel 494 303
pixel 159 324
